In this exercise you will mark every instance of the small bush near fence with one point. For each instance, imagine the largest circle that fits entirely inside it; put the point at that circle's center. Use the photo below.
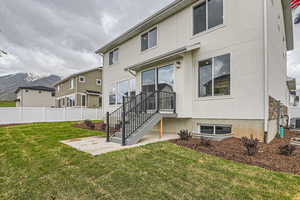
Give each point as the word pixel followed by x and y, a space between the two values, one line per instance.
pixel 89 124
pixel 251 145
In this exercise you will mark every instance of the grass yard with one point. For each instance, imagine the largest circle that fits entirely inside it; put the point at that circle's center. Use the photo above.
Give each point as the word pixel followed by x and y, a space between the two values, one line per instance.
pixel 7 104
pixel 34 165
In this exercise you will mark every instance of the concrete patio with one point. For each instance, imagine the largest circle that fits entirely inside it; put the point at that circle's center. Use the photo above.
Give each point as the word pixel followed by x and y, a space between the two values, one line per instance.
pixel 97 145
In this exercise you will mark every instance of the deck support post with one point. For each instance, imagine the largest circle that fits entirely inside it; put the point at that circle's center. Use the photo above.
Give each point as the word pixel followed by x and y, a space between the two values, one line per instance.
pixel 161 128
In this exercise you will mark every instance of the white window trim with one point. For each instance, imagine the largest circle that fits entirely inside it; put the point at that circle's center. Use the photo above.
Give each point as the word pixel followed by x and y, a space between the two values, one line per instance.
pixel 214 126
pixel 82 77
pixel 147 31
pixel 99 84
pixel 208 30
pixel 213 97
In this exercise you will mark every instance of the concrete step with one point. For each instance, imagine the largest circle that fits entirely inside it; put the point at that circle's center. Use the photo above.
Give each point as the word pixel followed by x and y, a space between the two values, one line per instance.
pixel 117 140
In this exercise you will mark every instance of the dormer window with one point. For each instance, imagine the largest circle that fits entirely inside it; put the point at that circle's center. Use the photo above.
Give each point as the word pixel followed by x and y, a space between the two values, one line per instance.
pixel 149 39
pixel 114 57
pixel 207 15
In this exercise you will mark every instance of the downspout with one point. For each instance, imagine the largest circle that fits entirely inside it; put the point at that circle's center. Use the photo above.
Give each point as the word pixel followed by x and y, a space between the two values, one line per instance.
pixel 266 71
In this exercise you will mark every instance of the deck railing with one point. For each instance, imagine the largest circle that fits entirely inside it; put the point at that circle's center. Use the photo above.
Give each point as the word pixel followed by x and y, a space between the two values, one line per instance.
pixel 136 111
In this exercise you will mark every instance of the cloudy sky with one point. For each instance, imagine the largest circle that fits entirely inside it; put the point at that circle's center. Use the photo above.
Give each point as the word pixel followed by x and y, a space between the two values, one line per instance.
pixel 60 36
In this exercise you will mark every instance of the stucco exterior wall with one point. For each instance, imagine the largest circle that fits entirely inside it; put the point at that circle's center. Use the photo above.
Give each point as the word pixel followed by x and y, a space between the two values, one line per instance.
pixel 241 35
pixel 277 58
pixel 35 98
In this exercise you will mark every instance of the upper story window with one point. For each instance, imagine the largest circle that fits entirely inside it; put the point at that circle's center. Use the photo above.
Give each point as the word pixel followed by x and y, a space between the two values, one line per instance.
pixel 72 84
pixel 214 76
pixel 207 15
pixel 82 79
pixel 149 39
pixel 114 57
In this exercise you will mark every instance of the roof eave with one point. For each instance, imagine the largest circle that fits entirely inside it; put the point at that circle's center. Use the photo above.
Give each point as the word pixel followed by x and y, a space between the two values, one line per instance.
pixel 288 23
pixel 159 16
pixel 76 74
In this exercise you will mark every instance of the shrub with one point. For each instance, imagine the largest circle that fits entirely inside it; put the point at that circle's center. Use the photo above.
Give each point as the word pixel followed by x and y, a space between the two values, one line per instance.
pixel 287 150
pixel 251 145
pixel 185 135
pixel 205 142
pixel 103 127
pixel 89 124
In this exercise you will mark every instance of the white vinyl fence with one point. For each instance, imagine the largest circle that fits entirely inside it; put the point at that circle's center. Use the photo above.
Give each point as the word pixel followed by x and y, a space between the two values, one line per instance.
pixel 29 115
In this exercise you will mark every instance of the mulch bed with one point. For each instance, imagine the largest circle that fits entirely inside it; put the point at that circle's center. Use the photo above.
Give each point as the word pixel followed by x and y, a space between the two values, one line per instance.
pixel 98 126
pixel 268 156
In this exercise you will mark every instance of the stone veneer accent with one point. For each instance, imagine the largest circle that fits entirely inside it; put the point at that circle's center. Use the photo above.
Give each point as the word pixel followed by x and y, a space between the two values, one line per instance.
pixel 273 108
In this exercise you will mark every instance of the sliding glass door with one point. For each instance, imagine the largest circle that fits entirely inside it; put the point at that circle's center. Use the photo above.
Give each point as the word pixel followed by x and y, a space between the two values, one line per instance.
pixel 161 79
pixel 165 78
pixel 149 87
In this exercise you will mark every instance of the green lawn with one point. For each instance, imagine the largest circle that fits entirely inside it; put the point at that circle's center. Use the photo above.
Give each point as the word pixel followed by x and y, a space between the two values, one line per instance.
pixel 34 165
pixel 7 104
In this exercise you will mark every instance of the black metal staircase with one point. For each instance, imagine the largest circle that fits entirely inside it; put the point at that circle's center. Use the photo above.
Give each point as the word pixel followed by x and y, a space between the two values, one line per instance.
pixel 128 124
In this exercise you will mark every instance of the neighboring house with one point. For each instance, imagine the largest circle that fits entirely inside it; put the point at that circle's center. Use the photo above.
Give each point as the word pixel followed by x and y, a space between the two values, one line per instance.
pixel 225 62
pixel 80 90
pixel 292 92
pixel 35 96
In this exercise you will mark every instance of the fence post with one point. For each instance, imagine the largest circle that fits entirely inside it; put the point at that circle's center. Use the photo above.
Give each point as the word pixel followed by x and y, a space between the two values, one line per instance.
pixel 123 122
pixel 96 113
pixel 81 113
pixel 107 127
pixel 45 114
pixel 65 114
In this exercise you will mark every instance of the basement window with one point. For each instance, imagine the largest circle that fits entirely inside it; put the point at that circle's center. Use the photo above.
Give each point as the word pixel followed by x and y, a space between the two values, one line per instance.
pixel 213 129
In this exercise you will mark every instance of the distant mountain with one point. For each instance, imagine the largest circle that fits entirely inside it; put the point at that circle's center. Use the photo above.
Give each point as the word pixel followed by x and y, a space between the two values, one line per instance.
pixel 9 83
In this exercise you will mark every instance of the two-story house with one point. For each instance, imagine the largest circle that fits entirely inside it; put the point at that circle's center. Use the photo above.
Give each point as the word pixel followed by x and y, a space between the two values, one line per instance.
pixel 210 66
pixel 35 96
pixel 80 90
